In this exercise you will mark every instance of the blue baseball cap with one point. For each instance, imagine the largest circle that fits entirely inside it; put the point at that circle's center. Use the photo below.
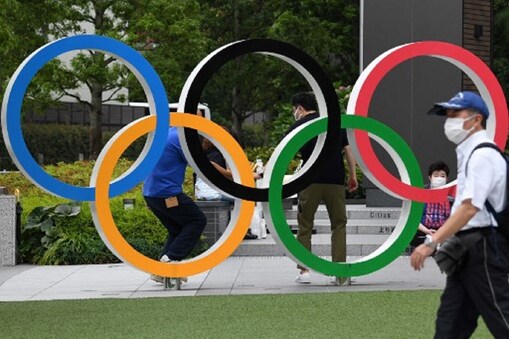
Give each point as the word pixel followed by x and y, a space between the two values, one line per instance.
pixel 462 100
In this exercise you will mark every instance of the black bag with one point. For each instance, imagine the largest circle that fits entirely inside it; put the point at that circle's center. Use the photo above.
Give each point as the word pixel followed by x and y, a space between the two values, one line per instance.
pixel 501 217
pixel 451 255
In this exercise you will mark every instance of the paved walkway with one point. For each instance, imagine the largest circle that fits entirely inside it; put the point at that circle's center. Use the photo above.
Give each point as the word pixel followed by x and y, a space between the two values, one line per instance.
pixel 236 275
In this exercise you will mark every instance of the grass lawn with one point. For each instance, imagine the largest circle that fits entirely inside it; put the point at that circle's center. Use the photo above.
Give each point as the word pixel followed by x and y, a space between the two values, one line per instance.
pixel 408 314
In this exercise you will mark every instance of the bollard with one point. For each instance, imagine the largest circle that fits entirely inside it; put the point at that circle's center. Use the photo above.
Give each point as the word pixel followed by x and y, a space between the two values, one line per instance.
pixel 128 203
pixel 8 246
pixel 19 210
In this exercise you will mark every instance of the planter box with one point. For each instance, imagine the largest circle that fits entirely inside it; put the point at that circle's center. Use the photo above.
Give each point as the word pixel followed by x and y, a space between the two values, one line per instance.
pixel 218 216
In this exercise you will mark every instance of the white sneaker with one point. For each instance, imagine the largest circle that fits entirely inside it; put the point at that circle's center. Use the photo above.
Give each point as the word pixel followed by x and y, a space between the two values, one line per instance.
pixel 303 278
pixel 165 258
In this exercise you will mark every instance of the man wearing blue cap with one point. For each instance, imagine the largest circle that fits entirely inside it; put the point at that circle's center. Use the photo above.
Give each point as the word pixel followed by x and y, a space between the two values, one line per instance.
pixel 480 286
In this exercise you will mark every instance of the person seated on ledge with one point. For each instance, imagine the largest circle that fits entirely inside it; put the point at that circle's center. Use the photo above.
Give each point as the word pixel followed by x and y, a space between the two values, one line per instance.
pixel 203 191
pixel 434 214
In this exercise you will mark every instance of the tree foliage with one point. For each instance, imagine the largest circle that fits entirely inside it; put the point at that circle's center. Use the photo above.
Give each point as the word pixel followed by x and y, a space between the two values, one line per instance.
pixel 170 36
pixel 174 36
pixel 24 27
pixel 98 72
pixel 501 43
pixel 327 30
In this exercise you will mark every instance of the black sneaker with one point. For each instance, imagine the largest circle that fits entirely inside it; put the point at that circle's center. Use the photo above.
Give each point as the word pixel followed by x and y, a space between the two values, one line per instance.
pixel 250 236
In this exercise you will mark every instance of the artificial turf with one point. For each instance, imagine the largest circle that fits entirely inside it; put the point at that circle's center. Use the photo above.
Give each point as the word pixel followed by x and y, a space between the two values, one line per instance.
pixel 401 314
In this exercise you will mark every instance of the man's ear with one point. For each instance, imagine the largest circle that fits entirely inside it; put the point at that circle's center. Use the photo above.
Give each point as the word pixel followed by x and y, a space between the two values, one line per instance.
pixel 480 119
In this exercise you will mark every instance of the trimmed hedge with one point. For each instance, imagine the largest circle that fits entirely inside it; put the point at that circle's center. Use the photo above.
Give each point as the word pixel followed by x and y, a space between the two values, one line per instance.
pixel 61 143
pixel 58 143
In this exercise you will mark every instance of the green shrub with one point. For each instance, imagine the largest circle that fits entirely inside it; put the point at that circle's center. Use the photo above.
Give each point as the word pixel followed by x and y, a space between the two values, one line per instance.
pixel 44 219
pixel 75 247
pixel 74 239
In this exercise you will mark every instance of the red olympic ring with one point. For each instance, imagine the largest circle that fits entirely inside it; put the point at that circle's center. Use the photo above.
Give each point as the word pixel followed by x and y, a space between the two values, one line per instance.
pixel 361 96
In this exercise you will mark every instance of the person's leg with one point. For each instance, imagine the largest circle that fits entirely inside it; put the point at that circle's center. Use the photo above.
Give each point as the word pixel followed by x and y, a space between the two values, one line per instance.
pixel 192 222
pixel 334 199
pixel 456 315
pixel 487 282
pixel 158 207
pixel 309 199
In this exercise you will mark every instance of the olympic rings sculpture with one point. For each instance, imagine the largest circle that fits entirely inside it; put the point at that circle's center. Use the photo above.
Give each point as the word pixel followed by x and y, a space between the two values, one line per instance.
pixel 359 128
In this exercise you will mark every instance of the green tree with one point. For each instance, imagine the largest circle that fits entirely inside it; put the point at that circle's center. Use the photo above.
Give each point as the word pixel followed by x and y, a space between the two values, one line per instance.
pixel 174 36
pixel 327 30
pixel 24 27
pixel 170 36
pixel 98 72
pixel 243 86
pixel 501 43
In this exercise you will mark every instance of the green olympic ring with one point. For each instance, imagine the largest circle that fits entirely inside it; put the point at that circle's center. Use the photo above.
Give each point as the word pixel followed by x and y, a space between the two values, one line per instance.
pixel 401 236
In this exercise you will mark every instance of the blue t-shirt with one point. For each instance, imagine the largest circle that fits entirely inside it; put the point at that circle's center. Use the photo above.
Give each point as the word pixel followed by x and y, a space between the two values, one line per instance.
pixel 167 177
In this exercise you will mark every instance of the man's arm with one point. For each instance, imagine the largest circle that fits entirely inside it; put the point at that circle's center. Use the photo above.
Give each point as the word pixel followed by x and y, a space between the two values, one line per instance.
pixel 226 172
pixel 425 230
pixel 456 221
pixel 351 183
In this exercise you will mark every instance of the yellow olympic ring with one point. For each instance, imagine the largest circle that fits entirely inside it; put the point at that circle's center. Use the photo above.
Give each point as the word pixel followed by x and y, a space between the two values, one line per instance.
pixel 114 239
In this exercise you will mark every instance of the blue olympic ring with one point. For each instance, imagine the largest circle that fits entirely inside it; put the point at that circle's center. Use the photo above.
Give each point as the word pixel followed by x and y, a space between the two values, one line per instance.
pixel 11 115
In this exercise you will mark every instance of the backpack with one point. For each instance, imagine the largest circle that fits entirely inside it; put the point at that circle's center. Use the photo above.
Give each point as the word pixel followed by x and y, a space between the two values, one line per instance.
pixel 501 217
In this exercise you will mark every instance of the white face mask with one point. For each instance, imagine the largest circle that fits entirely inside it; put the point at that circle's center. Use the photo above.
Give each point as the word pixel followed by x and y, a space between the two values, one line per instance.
pixel 453 129
pixel 437 182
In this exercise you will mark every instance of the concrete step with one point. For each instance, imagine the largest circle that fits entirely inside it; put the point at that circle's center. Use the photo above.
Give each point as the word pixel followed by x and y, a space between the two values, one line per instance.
pixel 357 245
pixel 355 226
pixel 354 212
pixel 373 213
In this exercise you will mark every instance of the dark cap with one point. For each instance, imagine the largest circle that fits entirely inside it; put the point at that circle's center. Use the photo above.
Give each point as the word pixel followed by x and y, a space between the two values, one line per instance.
pixel 462 100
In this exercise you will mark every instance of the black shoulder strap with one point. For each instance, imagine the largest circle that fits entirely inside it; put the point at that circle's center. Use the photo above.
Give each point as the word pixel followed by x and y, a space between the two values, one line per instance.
pixel 482 145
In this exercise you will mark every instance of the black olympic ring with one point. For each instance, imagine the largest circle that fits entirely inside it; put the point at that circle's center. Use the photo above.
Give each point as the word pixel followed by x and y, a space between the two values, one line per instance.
pixel 195 84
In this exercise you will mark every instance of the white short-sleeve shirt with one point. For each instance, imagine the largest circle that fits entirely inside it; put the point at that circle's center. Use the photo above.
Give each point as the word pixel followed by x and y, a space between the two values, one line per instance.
pixel 485 179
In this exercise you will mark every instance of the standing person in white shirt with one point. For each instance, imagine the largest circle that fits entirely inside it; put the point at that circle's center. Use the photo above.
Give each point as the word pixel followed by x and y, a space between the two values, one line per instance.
pixel 481 285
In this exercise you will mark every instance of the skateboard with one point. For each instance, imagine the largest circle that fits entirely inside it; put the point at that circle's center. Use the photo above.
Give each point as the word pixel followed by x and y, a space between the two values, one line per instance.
pixel 172 283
